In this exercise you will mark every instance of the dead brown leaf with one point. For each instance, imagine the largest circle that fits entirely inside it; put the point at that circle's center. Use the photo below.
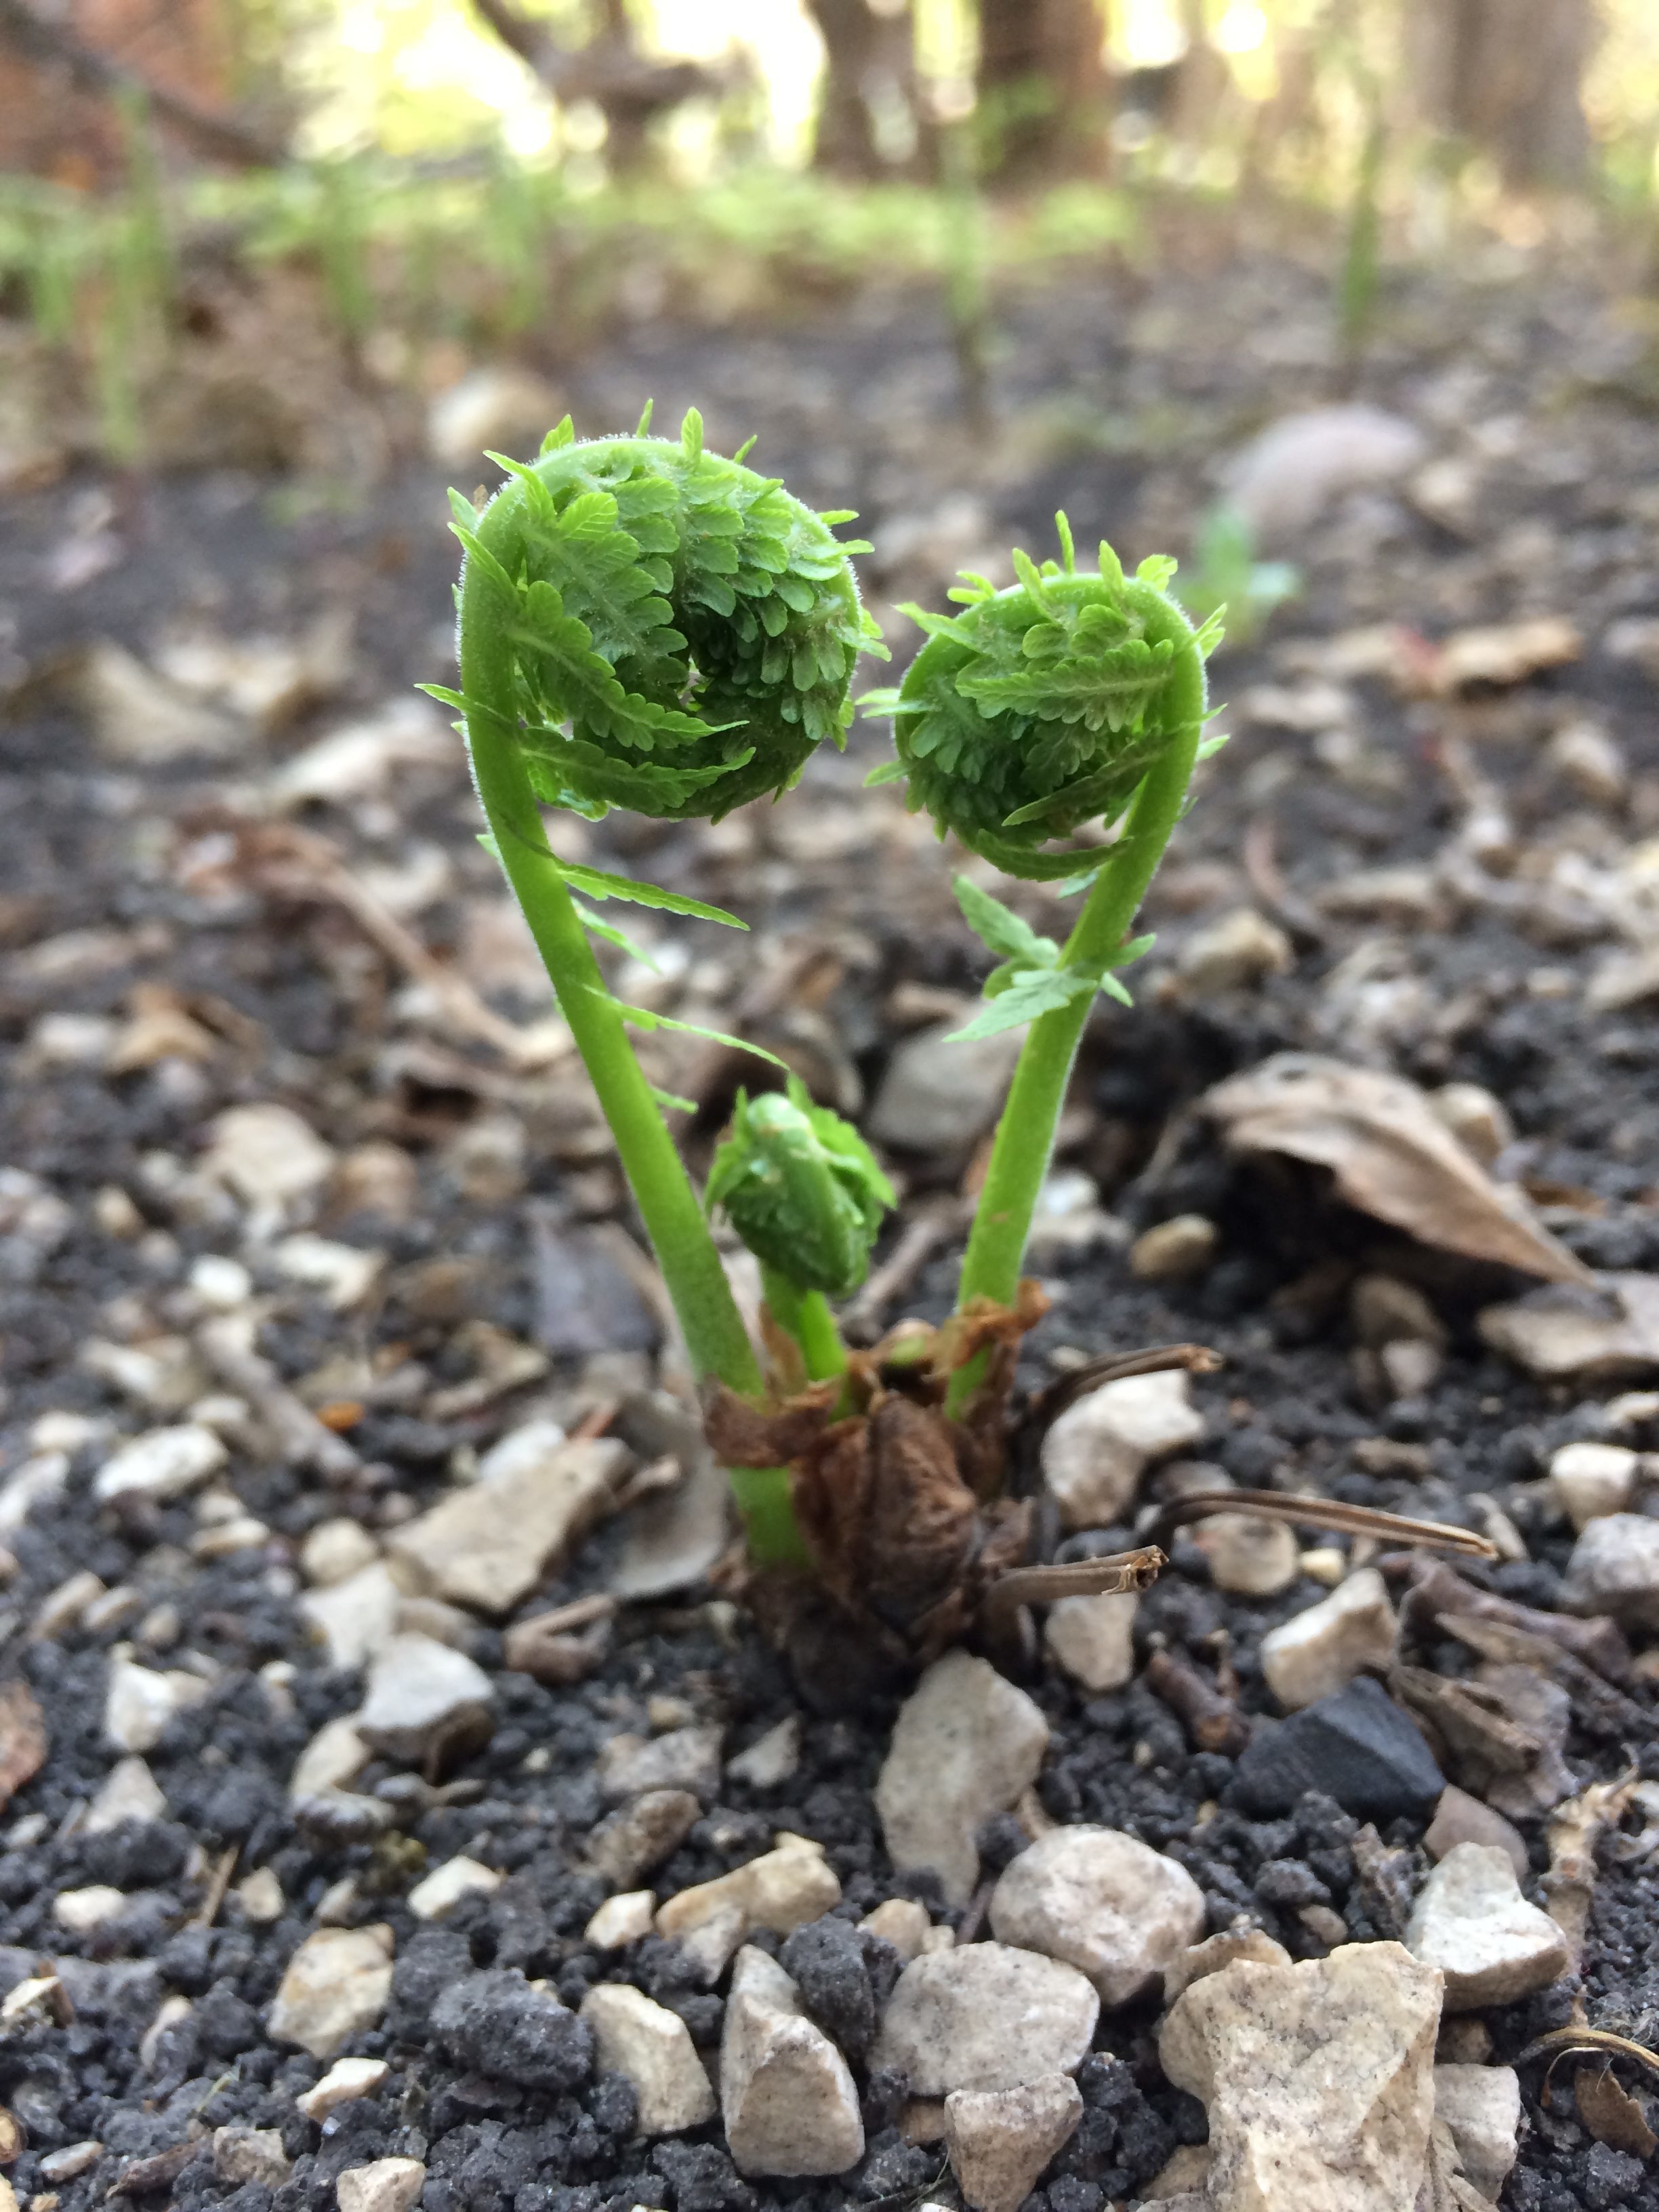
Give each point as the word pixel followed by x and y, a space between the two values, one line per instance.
pixel 23 1739
pixel 1502 655
pixel 1391 1156
pixel 1611 2113
pixel 1565 1334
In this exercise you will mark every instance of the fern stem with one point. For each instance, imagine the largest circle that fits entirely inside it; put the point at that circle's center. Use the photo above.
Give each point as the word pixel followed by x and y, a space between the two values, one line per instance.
pixel 806 1316
pixel 1024 1142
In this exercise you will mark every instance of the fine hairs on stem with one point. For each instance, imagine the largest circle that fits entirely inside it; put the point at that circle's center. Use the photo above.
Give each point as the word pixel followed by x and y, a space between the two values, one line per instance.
pixel 645 625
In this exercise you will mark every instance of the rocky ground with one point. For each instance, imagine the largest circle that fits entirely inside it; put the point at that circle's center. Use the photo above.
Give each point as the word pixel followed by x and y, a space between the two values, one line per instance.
pixel 401 1806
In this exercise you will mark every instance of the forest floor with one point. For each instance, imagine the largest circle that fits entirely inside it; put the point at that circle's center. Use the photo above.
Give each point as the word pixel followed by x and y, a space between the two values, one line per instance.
pixel 239 868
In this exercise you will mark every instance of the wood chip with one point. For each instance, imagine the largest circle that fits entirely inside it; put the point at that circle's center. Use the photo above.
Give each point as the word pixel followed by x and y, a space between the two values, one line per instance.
pixel 23 1741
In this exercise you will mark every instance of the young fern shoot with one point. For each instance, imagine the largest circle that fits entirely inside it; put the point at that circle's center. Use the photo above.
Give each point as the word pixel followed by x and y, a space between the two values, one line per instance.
pixel 1066 702
pixel 804 1192
pixel 645 625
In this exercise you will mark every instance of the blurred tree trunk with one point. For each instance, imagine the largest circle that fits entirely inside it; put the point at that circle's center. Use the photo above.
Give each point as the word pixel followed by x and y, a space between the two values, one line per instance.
pixel 870 64
pixel 1506 75
pixel 1042 85
pixel 630 88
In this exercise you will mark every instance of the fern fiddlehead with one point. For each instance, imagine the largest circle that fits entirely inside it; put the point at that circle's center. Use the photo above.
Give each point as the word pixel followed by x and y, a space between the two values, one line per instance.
pixel 643 624
pixel 1067 701
pixel 804 1192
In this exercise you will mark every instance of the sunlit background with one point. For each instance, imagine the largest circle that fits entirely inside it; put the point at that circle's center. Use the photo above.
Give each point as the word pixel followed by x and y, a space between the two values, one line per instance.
pixel 410 185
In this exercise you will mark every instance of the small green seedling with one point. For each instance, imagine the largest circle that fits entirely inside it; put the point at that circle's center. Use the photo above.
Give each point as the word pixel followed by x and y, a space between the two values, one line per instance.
pixel 1227 574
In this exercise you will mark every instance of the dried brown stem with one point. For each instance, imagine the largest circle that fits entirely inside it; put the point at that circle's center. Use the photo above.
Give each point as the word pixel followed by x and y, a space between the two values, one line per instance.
pixel 1046 1407
pixel 1320 1513
pixel 1042 1585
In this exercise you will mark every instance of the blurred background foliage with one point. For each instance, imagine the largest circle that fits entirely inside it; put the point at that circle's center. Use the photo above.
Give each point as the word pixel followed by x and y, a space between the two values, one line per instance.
pixel 403 185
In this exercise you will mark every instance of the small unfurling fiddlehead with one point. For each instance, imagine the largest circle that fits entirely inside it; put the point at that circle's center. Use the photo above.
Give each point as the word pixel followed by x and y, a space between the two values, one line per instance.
pixel 804 1192
pixel 1064 702
pixel 1038 710
pixel 645 625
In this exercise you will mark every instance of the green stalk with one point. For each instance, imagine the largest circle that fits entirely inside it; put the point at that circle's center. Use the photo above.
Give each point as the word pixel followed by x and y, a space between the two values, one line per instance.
pixel 1024 1142
pixel 806 1316
pixel 715 1337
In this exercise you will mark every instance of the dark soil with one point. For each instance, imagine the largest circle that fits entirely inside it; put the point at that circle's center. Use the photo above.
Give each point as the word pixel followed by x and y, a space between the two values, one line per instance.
pixel 1117 400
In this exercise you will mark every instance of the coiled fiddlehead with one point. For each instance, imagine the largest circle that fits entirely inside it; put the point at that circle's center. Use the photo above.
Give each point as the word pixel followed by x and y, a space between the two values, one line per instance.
pixel 1039 709
pixel 681 632
pixel 645 625
pixel 804 1192
pixel 1065 701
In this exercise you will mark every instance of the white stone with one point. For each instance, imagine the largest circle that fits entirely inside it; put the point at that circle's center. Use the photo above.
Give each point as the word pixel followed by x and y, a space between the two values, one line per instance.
pixel 139 1703
pixel 782 1890
pixel 333 1759
pixel 66 2165
pixel 390 2184
pixel 1317 2078
pixel 219 1282
pixel 346 2080
pixel 243 2155
pixel 622 1919
pixel 654 2048
pixel 37 1482
pixel 488 1545
pixel 78 1909
pixel 442 1890
pixel 417 1688
pixel 335 1986
pixel 1288 473
pixel 131 1792
pixel 1216 1951
pixel 999 2140
pixel 903 1922
pixel 1480 1121
pixel 1615 1569
pixel 1590 1480
pixel 708 1949
pixel 1172 1250
pixel 986 2016
pixel 1235 952
pixel 1248 1556
pixel 501 407
pixel 345 1273
pixel 336 1550
pixel 1095 1453
pixel 1324 1648
pixel 787 2097
pixel 938 1094
pixel 966 1744
pixel 355 1619
pixel 260 1896
pixel 771 1758
pixel 1481 2106
pixel 1092 1638
pixel 161 1464
pixel 687 1758
pixel 1104 1902
pixel 168 2013
pixel 266 1155
pixel 1471 1921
